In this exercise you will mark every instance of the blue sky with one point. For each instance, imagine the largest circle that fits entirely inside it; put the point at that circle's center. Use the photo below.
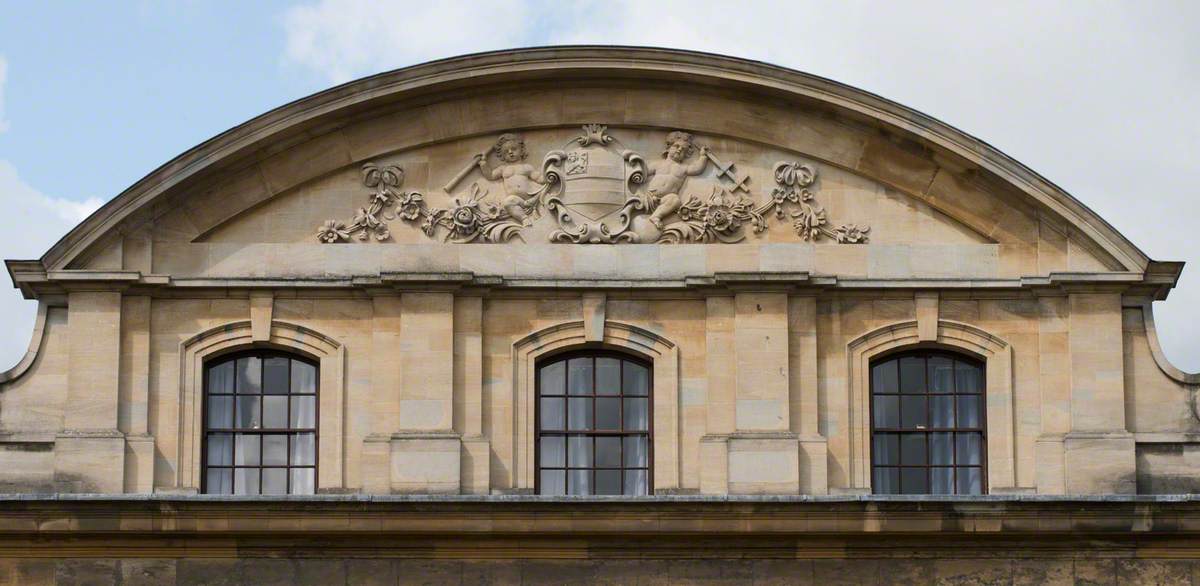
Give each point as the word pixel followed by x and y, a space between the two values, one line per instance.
pixel 1098 97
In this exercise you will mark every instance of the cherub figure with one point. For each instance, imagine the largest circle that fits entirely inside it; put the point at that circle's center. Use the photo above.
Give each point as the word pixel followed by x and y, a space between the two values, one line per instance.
pixel 522 182
pixel 669 174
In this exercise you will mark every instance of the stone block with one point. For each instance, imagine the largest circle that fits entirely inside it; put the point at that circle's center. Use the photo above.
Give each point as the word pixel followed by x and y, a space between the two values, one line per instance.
pixel 1100 463
pixel 764 465
pixel 93 463
pixel 476 466
pixel 426 464
pixel 714 465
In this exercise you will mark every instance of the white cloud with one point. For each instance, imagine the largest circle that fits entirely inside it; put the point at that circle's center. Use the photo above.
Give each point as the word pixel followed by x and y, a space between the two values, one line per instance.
pixel 3 79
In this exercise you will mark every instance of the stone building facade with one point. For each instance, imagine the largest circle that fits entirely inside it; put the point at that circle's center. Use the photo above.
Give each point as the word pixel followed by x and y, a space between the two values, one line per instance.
pixel 586 305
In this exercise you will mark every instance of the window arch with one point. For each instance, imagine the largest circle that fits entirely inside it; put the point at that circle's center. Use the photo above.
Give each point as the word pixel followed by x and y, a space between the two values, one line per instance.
pixel 594 424
pixel 928 425
pixel 260 424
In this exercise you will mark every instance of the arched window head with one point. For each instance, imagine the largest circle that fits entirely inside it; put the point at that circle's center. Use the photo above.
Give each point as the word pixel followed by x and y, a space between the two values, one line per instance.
pixel 928 429
pixel 260 424
pixel 594 425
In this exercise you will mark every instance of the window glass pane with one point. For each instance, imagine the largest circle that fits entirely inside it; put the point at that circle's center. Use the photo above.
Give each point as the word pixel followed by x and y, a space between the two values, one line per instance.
pixel 245 480
pixel 884 378
pixel 608 482
pixel 914 481
pixel 554 482
pixel 636 379
pixel 552 414
pixel 553 451
pixel 942 481
pixel 220 412
pixel 941 374
pixel 275 375
pixel 608 377
pixel 912 449
pixel 553 379
pixel 968 411
pixel 914 412
pixel 304 449
pixel 941 411
pixel 274 450
pixel 970 481
pixel 886 481
pixel 912 374
pixel 887 411
pixel 887 449
pixel 304 377
pixel 579 482
pixel 274 481
pixel 636 416
pixel 248 450
pixel 608 413
pixel 635 451
pixel 941 449
pixel 970 449
pixel 635 482
pixel 580 414
pixel 275 412
pixel 608 452
pixel 580 447
pixel 304 412
pixel 303 481
pixel 249 412
pixel 220 378
pixel 249 375
pixel 220 449
pixel 219 481
pixel 968 378
pixel 579 376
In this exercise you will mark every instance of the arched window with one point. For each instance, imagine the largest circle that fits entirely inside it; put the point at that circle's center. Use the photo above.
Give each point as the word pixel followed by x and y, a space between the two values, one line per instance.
pixel 928 424
pixel 593 425
pixel 260 424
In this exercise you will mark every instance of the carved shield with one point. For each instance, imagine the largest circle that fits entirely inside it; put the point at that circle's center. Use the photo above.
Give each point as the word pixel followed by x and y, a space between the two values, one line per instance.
pixel 594 182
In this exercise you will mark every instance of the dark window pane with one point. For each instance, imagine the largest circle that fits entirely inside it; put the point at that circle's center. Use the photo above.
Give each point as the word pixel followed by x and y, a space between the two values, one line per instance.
pixel 968 411
pixel 220 378
pixel 245 480
pixel 887 411
pixel 635 451
pixel 554 482
pixel 579 376
pixel 579 482
pixel 220 449
pixel 249 412
pixel 912 374
pixel 304 449
pixel 553 379
pixel 970 481
pixel 304 378
pixel 886 481
pixel 970 449
pixel 552 414
pixel 884 378
pixel 912 449
pixel 608 482
pixel 968 378
pixel 303 481
pixel 274 481
pixel 249 375
pixel 637 414
pixel 274 450
pixel 608 377
pixel 636 379
pixel 941 374
pixel 248 450
pixel 580 415
pixel 941 449
pixel 304 412
pixel 580 451
pixel 275 375
pixel 608 413
pixel 887 449
pixel 941 411
pixel 914 480
pixel 553 451
pixel 275 412
pixel 608 452
pixel 220 412
pixel 635 482
pixel 942 481
pixel 914 412
pixel 219 481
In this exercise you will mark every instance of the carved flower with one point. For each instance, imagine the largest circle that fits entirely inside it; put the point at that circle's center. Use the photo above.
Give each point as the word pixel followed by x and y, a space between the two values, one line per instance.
pixel 408 205
pixel 466 218
pixel 851 233
pixel 808 221
pixel 719 217
pixel 794 174
pixel 332 231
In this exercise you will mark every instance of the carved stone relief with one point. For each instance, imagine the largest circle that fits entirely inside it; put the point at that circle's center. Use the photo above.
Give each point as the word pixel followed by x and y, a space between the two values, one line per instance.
pixel 593 190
